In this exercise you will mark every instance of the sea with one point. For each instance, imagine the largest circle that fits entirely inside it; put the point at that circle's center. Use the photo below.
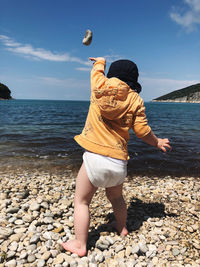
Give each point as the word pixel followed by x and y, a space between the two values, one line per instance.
pixel 38 135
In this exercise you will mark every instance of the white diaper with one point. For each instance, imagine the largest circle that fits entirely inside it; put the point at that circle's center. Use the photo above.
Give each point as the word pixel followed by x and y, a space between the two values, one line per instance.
pixel 104 171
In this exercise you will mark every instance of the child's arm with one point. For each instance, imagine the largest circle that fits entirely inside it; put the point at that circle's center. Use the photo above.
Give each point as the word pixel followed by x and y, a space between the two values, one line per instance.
pixel 153 140
pixel 98 78
pixel 143 130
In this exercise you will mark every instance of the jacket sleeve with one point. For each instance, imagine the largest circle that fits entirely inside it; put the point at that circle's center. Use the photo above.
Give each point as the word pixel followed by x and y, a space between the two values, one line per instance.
pixel 140 124
pixel 98 78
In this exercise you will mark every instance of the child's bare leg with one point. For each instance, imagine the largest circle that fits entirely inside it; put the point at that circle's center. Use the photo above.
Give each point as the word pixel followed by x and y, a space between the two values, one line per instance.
pixel 83 196
pixel 114 194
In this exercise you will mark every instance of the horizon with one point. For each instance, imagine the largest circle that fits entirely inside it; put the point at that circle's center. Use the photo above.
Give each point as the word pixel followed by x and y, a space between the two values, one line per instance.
pixel 42 57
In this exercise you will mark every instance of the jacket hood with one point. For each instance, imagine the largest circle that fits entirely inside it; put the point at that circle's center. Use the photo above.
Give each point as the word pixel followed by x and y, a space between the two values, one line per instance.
pixel 111 98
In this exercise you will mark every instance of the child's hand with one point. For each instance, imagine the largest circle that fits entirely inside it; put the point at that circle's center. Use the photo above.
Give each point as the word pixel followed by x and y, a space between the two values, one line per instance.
pixel 163 144
pixel 97 58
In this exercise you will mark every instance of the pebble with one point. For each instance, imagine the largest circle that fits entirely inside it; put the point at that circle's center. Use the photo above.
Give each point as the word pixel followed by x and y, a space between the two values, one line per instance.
pixel 5 232
pixel 19 222
pixel 159 223
pixel 101 246
pixel 41 263
pixel 135 249
pixel 99 258
pixel 34 239
pixel 11 263
pixel 12 210
pixel 33 226
pixel 46 255
pixel 110 240
pixel 31 258
pixel 143 248
pixel 119 248
pixel 48 220
pixel 34 206
pixel 175 251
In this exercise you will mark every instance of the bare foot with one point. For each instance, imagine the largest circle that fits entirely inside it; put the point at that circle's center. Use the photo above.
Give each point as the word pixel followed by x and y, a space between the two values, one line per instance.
pixel 122 231
pixel 74 246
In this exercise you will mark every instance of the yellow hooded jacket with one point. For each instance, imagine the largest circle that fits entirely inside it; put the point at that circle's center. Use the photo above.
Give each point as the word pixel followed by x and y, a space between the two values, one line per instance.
pixel 114 109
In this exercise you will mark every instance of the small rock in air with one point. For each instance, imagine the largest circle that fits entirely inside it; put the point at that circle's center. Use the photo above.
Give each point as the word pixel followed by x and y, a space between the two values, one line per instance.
pixel 87 38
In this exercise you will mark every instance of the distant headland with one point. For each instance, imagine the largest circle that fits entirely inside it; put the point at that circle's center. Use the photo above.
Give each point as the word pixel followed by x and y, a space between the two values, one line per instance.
pixel 5 93
pixel 190 94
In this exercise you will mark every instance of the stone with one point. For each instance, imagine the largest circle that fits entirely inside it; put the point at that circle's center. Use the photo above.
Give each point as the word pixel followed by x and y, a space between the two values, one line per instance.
pixel 19 222
pixel 175 251
pixel 101 246
pixel 12 210
pixel 59 259
pixel 135 249
pixel 154 260
pixel 48 220
pixel 159 223
pixel 58 229
pixel 34 239
pixel 5 232
pixel 152 247
pixel 128 251
pixel 23 255
pixel 41 263
pixel 15 237
pixel 99 258
pixel 44 205
pixel 119 248
pixel 46 255
pixel 10 254
pixel 11 263
pixel 20 230
pixel 143 247
pixel 87 38
pixel 31 258
pixel 13 246
pixel 110 240
pixel 34 206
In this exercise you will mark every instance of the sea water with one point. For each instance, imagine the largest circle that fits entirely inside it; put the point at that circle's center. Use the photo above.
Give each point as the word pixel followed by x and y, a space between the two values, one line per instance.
pixel 39 134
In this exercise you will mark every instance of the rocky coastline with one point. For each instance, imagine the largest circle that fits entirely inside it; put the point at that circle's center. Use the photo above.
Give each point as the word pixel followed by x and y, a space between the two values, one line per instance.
pixel 190 94
pixel 176 101
pixel 36 215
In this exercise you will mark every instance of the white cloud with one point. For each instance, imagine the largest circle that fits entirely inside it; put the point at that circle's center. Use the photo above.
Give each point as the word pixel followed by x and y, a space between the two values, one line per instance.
pixel 190 18
pixel 27 50
pixel 84 69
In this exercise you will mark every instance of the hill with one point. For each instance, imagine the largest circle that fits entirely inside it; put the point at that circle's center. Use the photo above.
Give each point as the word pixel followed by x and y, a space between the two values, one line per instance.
pixel 189 94
pixel 4 92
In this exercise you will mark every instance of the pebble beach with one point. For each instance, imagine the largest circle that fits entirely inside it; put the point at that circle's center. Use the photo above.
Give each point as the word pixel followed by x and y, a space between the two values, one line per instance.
pixel 36 216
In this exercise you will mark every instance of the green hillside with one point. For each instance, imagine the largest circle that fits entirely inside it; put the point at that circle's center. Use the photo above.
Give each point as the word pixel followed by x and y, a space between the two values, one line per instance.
pixel 190 92
pixel 4 92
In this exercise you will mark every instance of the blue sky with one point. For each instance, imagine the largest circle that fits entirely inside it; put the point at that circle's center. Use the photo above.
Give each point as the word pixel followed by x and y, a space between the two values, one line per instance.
pixel 42 55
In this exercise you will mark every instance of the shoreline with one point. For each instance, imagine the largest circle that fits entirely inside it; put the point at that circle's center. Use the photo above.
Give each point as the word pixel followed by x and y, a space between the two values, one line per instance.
pixel 61 166
pixel 175 101
pixel 37 215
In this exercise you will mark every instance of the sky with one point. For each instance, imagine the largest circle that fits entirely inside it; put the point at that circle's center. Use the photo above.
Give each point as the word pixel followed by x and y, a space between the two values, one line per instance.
pixel 42 55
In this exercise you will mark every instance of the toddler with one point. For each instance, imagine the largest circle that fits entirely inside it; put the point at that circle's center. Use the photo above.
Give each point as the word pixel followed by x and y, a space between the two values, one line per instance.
pixel 115 108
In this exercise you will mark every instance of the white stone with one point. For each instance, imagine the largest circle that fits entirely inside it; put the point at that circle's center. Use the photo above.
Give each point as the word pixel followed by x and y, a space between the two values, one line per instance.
pixel 5 232
pixel 34 206
pixel 11 263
